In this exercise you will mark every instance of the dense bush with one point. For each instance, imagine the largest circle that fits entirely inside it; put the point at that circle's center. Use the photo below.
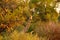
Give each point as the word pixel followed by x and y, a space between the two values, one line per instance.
pixel 29 20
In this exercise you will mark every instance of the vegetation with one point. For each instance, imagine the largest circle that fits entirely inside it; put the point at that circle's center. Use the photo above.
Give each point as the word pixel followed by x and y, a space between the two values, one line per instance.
pixel 29 20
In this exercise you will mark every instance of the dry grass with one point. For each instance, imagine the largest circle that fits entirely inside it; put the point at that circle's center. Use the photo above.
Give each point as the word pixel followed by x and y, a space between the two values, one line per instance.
pixel 18 36
pixel 51 30
pixel 44 31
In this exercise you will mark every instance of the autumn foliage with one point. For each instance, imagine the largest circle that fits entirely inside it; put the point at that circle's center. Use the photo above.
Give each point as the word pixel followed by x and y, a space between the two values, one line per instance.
pixel 29 19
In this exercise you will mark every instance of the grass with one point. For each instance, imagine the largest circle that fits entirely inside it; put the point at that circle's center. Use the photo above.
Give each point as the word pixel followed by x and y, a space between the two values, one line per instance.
pixel 43 31
pixel 18 36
